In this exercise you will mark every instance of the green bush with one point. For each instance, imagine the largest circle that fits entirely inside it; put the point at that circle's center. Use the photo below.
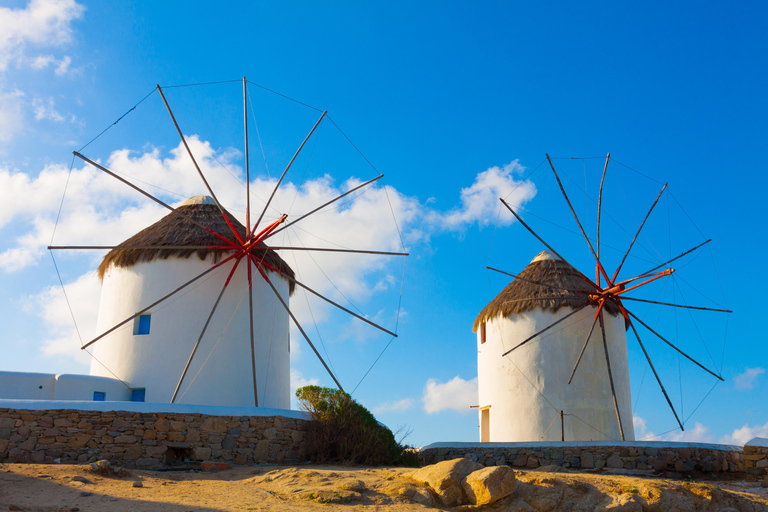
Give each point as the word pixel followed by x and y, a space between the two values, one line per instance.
pixel 342 430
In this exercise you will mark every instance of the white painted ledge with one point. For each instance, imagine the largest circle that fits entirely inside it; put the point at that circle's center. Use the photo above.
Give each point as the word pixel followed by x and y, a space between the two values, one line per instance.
pixel 758 441
pixel 582 444
pixel 149 407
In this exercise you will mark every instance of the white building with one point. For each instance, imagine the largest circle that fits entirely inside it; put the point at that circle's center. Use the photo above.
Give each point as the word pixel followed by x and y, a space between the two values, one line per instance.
pixel 143 360
pixel 522 394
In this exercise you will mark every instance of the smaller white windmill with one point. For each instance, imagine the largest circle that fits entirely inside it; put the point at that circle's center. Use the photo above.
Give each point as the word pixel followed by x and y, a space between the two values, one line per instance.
pixel 536 333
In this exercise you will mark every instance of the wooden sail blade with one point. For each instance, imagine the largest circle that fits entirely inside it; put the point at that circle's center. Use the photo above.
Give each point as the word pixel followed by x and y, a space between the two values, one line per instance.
pixel 586 342
pixel 325 204
pixel 247 161
pixel 562 189
pixel 159 247
pixel 164 297
pixel 253 344
pixel 674 347
pixel 329 249
pixel 618 269
pixel 329 301
pixel 202 333
pixel 544 330
pixel 675 258
pixel 545 285
pixel 599 210
pixel 158 201
pixel 199 171
pixel 526 226
pixel 298 325
pixel 610 377
pixel 676 305
pixel 655 374
pixel 266 206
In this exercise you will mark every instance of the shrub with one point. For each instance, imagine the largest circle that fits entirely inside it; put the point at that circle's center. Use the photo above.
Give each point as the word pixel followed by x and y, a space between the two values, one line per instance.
pixel 342 430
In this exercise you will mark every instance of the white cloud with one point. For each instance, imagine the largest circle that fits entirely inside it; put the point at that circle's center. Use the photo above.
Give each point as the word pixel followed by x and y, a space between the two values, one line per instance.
pixel 11 114
pixel 698 434
pixel 641 429
pixel 51 305
pixel 100 210
pixel 743 435
pixel 746 380
pixel 42 23
pixel 298 381
pixel 396 406
pixel 44 109
pixel 480 202
pixel 457 394
pixel 63 66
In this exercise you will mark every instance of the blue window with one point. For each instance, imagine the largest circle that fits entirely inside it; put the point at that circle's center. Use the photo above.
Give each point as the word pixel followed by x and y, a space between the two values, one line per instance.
pixel 137 395
pixel 141 324
pixel 99 396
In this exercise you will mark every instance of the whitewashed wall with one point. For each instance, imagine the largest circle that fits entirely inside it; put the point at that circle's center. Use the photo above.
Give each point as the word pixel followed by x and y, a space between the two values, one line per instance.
pixel 217 376
pixel 81 387
pixel 27 386
pixel 518 412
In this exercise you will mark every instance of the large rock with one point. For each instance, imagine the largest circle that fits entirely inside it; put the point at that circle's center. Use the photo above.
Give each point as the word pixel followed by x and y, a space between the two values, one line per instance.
pixel 445 479
pixel 489 484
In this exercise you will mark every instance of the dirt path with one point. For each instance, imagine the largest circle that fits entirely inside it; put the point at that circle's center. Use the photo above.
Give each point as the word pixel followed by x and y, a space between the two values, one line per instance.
pixel 310 487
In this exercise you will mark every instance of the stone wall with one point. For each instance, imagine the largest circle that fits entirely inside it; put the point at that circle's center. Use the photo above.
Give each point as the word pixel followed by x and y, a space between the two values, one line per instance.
pixel 660 457
pixel 142 439
pixel 756 457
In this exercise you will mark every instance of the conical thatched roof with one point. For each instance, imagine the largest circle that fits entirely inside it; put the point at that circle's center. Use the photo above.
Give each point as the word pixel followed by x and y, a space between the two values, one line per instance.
pixel 174 229
pixel 522 295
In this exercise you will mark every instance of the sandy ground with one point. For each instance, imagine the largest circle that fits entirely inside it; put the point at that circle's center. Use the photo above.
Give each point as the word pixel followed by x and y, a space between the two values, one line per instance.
pixel 312 487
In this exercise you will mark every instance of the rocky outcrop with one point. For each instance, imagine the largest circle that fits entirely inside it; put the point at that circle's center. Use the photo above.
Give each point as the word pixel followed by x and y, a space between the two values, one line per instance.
pixel 461 482
pixel 446 477
pixel 489 484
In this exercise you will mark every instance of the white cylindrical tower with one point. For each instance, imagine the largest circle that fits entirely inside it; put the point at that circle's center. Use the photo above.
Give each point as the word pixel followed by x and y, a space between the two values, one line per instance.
pixel 150 352
pixel 522 394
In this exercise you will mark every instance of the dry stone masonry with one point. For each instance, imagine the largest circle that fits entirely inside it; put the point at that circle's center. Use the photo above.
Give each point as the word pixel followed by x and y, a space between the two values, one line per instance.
pixel 143 439
pixel 756 457
pixel 659 457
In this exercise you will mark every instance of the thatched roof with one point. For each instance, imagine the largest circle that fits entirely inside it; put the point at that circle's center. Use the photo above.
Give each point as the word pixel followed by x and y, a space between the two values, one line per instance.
pixel 175 230
pixel 522 295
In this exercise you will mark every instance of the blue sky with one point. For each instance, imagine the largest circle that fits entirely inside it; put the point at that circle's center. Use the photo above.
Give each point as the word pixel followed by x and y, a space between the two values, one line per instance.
pixel 456 104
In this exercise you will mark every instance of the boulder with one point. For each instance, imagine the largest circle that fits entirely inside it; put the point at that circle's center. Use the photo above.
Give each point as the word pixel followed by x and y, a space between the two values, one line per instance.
pixel 489 484
pixel 445 479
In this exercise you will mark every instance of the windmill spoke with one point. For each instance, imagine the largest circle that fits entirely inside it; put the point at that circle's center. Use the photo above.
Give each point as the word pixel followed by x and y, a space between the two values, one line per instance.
pixel 599 210
pixel 544 329
pixel 658 379
pixel 160 247
pixel 296 322
pixel 610 377
pixel 677 305
pixel 100 336
pixel 253 345
pixel 545 243
pixel 202 333
pixel 538 282
pixel 158 201
pixel 324 205
pixel 329 301
pixel 599 310
pixel 674 347
pixel 562 189
pixel 616 274
pixel 326 249
pixel 266 206
pixel 675 258
pixel 199 171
